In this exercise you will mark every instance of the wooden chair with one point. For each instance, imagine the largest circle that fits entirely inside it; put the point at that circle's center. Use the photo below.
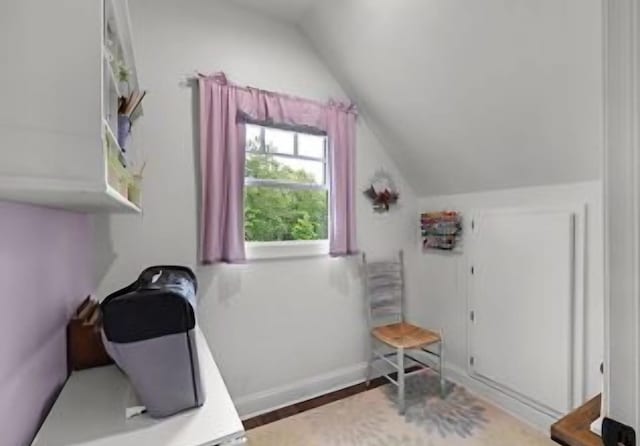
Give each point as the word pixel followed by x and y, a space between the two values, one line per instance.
pixel 384 289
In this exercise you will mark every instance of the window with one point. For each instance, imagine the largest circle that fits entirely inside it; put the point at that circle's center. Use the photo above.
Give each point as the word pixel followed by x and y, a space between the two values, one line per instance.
pixel 286 187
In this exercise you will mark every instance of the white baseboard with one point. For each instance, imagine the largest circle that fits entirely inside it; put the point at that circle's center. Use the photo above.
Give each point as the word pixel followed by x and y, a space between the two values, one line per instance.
pixel 527 414
pixel 262 402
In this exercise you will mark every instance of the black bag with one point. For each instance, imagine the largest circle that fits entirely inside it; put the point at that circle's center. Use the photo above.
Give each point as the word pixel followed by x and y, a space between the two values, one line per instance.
pixel 148 328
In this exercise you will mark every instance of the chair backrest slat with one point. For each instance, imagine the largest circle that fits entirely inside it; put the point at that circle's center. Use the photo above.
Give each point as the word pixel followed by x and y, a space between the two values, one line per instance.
pixel 384 290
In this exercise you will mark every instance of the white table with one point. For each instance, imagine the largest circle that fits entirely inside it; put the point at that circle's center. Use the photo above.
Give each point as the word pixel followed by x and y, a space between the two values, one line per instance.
pixel 90 411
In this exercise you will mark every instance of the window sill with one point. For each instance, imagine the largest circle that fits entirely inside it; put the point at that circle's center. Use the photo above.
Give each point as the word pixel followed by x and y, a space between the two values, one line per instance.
pixel 285 250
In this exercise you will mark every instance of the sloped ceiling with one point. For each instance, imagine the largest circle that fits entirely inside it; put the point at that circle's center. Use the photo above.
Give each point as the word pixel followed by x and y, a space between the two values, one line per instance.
pixel 471 95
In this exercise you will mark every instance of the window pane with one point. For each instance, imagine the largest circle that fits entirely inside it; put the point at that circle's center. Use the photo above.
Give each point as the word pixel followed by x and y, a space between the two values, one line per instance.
pixel 280 214
pixel 253 138
pixel 278 141
pixel 283 168
pixel 311 145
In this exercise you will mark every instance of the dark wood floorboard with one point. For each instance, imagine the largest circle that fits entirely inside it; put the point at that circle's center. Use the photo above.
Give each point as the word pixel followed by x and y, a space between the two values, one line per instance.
pixel 303 406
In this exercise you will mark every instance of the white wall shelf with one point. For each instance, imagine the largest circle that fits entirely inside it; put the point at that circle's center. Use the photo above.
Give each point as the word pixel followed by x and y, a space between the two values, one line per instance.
pixel 114 80
pixel 109 133
pixel 77 196
pixel 57 130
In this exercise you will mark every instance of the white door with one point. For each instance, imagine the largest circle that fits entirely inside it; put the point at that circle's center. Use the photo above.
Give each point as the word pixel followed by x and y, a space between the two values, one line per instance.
pixel 521 299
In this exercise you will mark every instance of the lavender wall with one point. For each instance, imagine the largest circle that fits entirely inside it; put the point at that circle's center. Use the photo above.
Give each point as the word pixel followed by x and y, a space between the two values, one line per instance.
pixel 45 271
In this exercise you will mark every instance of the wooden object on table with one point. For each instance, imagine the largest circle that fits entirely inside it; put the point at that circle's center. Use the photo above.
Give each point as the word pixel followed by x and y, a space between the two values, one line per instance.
pixel 83 310
pixel 90 411
pixel 84 342
pixel 575 428
pixel 94 318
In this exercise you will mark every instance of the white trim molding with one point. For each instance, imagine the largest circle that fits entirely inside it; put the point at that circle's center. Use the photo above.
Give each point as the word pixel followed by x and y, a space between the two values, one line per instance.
pixel 514 406
pixel 622 205
pixel 286 249
pixel 266 401
pixel 258 403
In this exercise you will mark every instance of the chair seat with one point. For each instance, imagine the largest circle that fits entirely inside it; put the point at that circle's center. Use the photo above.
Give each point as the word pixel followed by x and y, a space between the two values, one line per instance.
pixel 404 335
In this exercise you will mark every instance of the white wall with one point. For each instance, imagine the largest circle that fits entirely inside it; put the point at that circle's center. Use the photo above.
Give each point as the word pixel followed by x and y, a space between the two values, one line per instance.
pixel 622 151
pixel 442 300
pixel 277 329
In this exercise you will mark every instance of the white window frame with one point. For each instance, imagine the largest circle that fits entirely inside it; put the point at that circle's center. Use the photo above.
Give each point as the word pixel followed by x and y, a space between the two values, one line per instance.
pixel 256 250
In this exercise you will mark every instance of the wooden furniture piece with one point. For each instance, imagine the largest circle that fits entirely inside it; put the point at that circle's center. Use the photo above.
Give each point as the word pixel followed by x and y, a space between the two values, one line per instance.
pixel 90 411
pixel 575 428
pixel 384 289
pixel 59 122
pixel 405 335
pixel 85 349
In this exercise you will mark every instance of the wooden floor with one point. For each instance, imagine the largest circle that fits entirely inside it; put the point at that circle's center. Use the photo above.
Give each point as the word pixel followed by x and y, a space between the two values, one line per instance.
pixel 297 408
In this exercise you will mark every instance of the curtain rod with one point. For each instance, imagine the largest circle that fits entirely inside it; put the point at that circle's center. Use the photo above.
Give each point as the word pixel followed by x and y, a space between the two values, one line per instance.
pixel 187 79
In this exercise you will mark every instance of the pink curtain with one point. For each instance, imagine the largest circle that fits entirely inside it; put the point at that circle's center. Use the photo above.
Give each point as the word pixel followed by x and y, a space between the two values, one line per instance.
pixel 223 109
pixel 222 138
pixel 341 125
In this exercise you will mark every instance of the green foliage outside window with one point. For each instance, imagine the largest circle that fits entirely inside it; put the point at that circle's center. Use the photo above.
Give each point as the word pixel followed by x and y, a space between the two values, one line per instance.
pixel 282 214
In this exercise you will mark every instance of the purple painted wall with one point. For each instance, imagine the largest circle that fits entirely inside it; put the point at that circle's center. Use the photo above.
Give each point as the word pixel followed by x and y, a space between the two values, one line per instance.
pixel 45 271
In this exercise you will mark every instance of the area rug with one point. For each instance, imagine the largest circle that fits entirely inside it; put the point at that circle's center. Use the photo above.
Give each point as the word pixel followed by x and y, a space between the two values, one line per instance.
pixel 371 419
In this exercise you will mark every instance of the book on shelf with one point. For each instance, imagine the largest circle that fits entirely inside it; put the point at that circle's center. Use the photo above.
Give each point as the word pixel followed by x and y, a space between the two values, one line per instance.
pixel 128 106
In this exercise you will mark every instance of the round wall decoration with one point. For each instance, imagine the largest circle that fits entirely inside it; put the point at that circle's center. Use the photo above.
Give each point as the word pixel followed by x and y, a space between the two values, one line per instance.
pixel 382 191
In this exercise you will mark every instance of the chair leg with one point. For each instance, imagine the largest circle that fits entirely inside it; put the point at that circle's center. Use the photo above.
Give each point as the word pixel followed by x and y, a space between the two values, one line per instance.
pixel 372 357
pixel 401 400
pixel 443 383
